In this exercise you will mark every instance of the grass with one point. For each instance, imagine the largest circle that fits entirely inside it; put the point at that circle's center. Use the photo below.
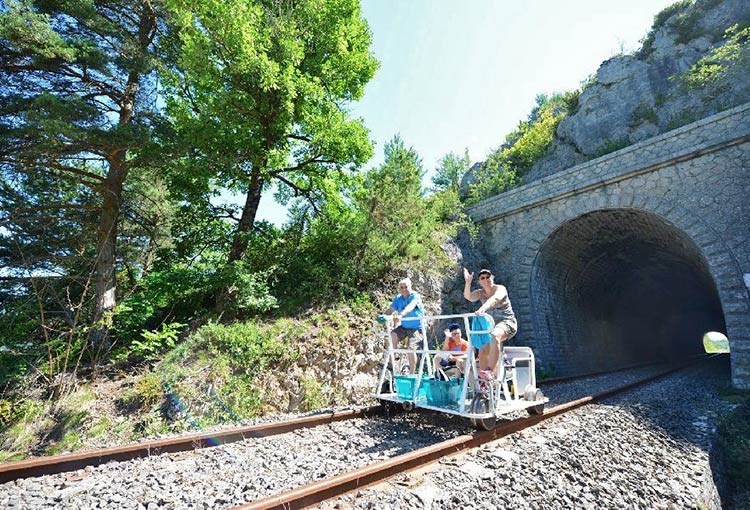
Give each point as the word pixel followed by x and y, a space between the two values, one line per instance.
pixel 682 118
pixel 313 394
pixel 221 374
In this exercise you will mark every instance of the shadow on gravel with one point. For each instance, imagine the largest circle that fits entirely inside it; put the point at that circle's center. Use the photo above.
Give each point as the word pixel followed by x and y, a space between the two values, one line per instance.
pixel 685 406
pixel 401 433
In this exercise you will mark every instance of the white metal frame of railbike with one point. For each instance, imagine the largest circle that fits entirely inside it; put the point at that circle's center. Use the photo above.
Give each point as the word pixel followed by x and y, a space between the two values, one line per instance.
pixel 513 355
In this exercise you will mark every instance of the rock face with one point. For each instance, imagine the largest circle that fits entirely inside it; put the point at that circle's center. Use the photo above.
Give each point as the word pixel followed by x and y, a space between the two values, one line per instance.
pixel 635 97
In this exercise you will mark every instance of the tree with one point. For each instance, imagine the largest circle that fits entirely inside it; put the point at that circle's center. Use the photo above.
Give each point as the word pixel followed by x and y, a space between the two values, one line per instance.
pixel 392 200
pixel 450 171
pixel 260 92
pixel 523 147
pixel 77 99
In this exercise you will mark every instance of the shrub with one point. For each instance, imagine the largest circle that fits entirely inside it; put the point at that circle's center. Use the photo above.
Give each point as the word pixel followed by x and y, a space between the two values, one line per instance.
pixel 14 410
pixel 659 21
pixel 643 113
pixel 682 118
pixel 313 395
pixel 491 181
pixel 19 343
pixel 167 299
pixel 238 399
pixel 505 166
pixel 610 146
pixel 247 344
pixel 250 291
pixel 733 439
pixel 155 342
pixel 381 223
pixel 713 73
pixel 685 25
pixel 147 392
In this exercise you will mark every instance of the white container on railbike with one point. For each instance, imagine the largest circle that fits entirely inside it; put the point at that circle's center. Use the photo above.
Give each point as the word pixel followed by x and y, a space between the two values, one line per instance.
pixel 465 395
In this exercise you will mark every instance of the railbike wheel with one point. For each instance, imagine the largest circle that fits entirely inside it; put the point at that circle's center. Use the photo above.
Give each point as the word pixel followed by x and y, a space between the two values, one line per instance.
pixel 480 404
pixel 387 386
pixel 535 396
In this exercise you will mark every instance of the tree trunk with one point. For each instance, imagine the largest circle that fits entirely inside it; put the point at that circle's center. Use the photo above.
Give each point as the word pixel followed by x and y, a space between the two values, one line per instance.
pixel 245 226
pixel 247 221
pixel 106 283
pixel 106 277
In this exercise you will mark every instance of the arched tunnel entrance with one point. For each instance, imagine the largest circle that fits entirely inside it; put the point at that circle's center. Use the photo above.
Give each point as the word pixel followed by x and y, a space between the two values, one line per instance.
pixel 620 286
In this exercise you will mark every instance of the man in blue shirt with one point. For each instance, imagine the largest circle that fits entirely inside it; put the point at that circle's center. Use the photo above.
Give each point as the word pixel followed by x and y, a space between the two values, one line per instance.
pixel 407 304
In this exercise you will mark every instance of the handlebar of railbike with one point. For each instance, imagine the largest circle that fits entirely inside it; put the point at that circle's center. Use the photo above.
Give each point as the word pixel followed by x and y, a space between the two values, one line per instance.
pixel 389 321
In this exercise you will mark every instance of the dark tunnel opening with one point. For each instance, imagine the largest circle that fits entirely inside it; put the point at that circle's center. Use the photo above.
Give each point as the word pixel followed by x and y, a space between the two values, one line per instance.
pixel 616 287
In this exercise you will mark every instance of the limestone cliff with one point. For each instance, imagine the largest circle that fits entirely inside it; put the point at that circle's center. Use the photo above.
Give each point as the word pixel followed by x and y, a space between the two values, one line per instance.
pixel 635 97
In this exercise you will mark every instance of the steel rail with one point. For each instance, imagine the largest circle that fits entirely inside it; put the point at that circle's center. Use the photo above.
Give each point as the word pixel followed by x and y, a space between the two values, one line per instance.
pixel 77 460
pixel 329 488
pixel 565 378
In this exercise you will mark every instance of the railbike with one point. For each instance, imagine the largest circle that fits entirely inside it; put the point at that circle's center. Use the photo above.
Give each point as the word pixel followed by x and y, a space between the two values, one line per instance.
pixel 463 394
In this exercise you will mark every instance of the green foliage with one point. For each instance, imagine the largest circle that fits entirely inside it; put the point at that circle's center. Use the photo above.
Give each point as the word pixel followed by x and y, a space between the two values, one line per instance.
pixel 396 215
pixel 183 293
pixel 247 344
pixel 380 223
pixel 240 399
pixel 147 392
pixel 313 394
pixel 714 73
pixel 13 410
pixel 659 21
pixel 490 181
pixel 733 440
pixel 156 342
pixel 259 95
pixel 642 114
pixel 451 169
pixel 250 291
pixel 610 146
pixel 66 434
pixel 505 166
pixel 682 118
pixel 18 351
pixel 685 25
pixel 78 108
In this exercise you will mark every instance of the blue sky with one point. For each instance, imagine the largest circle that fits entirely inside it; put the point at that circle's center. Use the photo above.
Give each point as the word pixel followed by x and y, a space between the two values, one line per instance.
pixel 456 75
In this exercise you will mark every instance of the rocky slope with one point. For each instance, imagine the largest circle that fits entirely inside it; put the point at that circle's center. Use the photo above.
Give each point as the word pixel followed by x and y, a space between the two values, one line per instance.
pixel 669 82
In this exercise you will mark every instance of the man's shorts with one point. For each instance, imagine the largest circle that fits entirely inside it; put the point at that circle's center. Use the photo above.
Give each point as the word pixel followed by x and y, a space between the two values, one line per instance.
pixel 505 327
pixel 414 336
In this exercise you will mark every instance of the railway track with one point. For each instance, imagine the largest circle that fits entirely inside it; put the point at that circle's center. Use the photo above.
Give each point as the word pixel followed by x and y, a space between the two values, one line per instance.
pixel 317 492
pixel 300 497
pixel 71 461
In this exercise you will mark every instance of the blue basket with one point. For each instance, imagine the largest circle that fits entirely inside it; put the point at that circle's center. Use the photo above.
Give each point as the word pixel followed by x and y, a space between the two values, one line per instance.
pixel 405 386
pixel 442 393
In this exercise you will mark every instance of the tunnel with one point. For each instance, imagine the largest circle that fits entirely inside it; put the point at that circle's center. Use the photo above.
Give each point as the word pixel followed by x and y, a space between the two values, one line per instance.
pixel 616 287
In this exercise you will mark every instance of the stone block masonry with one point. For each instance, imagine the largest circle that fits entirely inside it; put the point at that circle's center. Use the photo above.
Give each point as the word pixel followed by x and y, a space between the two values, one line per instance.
pixel 633 255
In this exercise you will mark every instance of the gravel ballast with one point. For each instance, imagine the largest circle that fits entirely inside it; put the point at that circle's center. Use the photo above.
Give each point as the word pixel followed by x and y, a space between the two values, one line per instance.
pixel 648 448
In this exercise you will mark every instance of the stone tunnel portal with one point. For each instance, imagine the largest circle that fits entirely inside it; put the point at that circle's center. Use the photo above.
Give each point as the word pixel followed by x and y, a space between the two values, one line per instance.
pixel 620 286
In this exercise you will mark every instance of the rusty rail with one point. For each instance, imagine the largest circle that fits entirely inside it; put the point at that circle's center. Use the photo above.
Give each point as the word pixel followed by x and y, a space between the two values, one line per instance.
pixel 317 492
pixel 77 460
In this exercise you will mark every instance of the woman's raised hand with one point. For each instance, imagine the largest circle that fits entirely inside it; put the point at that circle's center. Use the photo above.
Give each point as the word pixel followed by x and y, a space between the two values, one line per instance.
pixel 468 276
